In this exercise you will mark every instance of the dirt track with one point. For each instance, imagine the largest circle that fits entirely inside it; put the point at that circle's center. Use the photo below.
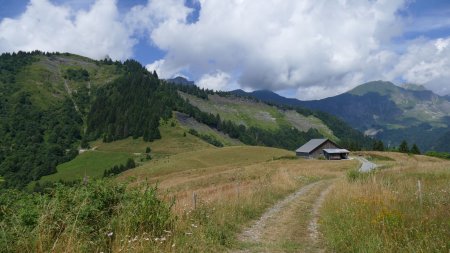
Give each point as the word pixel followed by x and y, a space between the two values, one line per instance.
pixel 291 225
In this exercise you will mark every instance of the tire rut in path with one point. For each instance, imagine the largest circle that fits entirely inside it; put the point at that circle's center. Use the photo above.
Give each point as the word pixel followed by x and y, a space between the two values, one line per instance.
pixel 313 227
pixel 254 233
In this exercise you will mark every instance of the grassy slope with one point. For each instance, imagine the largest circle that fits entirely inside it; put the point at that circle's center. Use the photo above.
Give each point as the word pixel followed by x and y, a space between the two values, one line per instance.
pixel 190 123
pixel 382 212
pixel 233 185
pixel 251 113
pixel 90 163
pixel 105 155
pixel 184 151
pixel 378 212
pixel 202 160
pixel 172 142
pixel 44 78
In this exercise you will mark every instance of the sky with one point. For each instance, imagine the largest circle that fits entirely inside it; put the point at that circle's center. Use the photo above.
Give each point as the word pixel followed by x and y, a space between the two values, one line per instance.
pixel 308 49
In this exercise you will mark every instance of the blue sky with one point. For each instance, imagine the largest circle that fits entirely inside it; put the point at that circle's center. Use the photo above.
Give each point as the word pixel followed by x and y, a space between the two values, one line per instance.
pixel 305 49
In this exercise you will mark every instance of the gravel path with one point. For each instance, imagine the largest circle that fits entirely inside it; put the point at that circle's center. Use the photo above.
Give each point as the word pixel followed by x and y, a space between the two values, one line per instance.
pixel 253 233
pixel 366 166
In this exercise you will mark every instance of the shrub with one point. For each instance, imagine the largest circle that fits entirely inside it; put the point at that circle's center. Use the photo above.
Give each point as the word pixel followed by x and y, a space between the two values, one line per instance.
pixel 94 217
pixel 208 138
pixel 355 175
pixel 115 170
pixel 77 74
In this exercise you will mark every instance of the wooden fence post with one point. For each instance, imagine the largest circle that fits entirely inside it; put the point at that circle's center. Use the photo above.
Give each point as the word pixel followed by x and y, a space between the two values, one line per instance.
pixel 238 190
pixel 194 200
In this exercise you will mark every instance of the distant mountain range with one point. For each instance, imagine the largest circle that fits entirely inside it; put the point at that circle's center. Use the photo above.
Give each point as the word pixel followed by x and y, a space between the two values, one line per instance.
pixel 180 80
pixel 384 110
pixel 380 109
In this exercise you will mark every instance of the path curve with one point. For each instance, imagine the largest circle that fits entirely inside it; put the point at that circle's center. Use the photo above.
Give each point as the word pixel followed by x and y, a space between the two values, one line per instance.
pixel 366 165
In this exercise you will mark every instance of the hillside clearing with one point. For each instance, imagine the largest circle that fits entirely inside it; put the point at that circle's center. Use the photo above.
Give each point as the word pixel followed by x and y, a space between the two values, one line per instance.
pixel 257 114
pixel 190 123
pixel 102 156
pixel 91 164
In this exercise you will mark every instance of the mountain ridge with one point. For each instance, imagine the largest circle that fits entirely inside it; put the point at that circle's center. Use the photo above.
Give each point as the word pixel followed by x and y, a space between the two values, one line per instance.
pixel 382 109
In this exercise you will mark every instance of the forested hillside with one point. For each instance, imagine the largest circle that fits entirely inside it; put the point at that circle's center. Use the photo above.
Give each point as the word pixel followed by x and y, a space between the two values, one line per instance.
pixel 52 104
pixel 383 110
pixel 132 105
pixel 44 101
pixel 33 140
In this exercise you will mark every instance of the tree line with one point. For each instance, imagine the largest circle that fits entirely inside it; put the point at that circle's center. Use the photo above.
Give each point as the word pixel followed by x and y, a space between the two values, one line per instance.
pixel 378 145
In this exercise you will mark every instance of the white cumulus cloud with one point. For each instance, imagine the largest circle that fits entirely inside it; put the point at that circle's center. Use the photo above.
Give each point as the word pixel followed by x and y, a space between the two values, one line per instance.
pixel 215 81
pixel 282 44
pixel 426 62
pixel 96 32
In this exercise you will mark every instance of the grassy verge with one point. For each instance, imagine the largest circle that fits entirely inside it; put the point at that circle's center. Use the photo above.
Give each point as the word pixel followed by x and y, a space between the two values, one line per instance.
pixel 386 212
pixel 99 216
pixel 90 163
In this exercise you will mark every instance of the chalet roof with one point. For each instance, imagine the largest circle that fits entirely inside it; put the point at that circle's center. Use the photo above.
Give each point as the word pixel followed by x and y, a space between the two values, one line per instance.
pixel 336 151
pixel 311 145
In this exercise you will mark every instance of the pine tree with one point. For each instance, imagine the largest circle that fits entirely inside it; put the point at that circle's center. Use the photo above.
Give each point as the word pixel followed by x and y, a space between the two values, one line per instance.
pixel 130 164
pixel 378 146
pixel 415 149
pixel 403 148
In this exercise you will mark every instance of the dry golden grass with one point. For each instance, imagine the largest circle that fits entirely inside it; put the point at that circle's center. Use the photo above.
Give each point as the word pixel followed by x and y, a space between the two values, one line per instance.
pixel 233 186
pixel 386 212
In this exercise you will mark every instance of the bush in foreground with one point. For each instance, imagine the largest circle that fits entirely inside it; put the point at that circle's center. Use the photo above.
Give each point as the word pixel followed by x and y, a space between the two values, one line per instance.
pixel 98 216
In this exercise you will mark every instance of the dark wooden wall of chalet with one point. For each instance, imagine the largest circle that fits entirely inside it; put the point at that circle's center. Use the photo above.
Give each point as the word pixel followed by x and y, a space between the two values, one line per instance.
pixel 319 152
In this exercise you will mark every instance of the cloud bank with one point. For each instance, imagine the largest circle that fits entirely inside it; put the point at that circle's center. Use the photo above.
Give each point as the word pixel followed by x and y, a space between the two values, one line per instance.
pixel 95 33
pixel 318 48
pixel 314 48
